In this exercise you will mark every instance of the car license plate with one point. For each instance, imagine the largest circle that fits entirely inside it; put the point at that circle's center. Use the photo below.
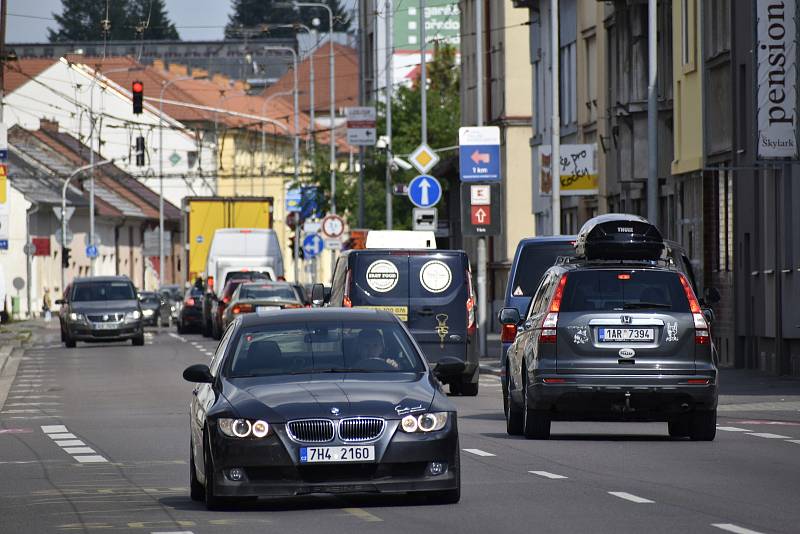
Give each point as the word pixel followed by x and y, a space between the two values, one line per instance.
pixel 106 326
pixel 262 309
pixel 349 453
pixel 625 334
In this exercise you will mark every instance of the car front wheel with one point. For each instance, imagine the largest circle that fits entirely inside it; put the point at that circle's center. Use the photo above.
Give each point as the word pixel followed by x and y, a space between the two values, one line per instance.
pixel 138 341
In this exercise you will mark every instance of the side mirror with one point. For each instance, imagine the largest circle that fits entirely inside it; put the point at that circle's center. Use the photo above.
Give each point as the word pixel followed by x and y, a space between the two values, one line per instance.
pixel 709 315
pixel 509 316
pixel 61 302
pixel 448 366
pixel 712 295
pixel 317 295
pixel 199 373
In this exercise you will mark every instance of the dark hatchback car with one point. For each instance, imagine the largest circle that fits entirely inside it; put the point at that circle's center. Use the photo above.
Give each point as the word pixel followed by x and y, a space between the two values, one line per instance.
pixel 191 310
pixel 616 333
pixel 155 309
pixel 320 401
pixel 100 309
pixel 430 290
pixel 210 303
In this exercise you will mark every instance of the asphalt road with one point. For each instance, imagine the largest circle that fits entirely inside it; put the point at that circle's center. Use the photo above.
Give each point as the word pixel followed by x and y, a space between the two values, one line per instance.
pixel 95 439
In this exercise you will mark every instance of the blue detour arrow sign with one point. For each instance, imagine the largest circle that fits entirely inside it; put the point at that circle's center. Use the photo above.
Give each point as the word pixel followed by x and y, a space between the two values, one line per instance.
pixel 424 191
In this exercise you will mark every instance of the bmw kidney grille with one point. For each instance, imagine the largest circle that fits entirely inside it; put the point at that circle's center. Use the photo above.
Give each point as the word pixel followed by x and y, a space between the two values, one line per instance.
pixel 361 428
pixel 311 430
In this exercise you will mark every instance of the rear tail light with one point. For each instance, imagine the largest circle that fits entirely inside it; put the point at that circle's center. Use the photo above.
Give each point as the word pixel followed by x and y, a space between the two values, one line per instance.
pixel 702 336
pixel 346 302
pixel 242 308
pixel 226 300
pixel 188 302
pixel 508 333
pixel 281 279
pixel 698 381
pixel 472 324
pixel 555 380
pixel 550 322
pixel 210 282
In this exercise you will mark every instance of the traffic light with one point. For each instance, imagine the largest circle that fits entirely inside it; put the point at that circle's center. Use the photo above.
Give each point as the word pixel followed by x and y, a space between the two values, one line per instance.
pixel 291 247
pixel 140 151
pixel 65 255
pixel 138 97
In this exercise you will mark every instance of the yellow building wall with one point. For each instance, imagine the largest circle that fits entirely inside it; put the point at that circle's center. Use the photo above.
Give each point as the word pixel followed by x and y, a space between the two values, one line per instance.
pixel 687 88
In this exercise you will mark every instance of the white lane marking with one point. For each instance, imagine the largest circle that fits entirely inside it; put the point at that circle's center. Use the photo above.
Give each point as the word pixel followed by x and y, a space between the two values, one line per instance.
pixel 630 497
pixel 90 459
pixel 178 337
pixel 63 436
pixel 25 397
pixel 173 532
pixel 732 429
pixel 478 452
pixel 794 441
pixel 768 435
pixel 27 411
pixel 730 527
pixel 50 429
pixel 545 474
pixel 79 450
pixel 33 404
pixel 70 443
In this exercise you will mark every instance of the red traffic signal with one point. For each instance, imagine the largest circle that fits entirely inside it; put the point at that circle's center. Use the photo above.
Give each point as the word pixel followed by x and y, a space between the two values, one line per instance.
pixel 138 96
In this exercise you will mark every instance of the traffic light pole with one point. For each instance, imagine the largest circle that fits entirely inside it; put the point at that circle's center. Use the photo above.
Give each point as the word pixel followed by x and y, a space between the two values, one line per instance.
pixel 64 212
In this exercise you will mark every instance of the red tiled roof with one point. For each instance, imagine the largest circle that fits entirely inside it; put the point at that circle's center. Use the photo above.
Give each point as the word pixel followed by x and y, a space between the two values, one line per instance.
pixel 17 73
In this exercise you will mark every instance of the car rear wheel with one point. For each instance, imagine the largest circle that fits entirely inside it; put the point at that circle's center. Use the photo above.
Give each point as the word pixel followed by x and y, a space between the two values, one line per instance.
pixel 68 341
pixel 703 426
pixel 181 328
pixel 514 417
pixel 536 423
pixel 196 490
pixel 679 427
pixel 138 341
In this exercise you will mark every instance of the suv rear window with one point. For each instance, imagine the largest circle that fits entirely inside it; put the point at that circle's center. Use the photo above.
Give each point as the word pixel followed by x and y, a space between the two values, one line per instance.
pixel 246 275
pixel 533 261
pixel 617 290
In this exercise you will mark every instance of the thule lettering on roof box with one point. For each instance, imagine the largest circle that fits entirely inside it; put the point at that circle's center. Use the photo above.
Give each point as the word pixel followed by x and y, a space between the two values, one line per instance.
pixel 619 236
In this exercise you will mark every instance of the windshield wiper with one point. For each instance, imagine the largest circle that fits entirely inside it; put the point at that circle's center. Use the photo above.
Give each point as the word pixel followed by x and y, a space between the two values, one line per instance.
pixel 644 305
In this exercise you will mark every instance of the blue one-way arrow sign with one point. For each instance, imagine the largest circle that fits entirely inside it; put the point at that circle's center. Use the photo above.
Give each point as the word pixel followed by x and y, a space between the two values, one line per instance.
pixel 424 191
pixel 313 245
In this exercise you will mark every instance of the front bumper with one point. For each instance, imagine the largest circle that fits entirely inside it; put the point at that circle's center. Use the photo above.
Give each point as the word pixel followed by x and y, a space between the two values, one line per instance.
pixel 622 398
pixel 85 332
pixel 272 467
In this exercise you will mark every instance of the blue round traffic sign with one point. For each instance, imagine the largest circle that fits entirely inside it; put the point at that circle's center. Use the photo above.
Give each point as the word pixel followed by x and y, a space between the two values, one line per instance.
pixel 424 191
pixel 91 251
pixel 313 245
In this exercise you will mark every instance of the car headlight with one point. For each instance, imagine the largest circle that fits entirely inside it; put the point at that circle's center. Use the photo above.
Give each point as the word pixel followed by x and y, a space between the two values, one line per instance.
pixel 76 316
pixel 147 313
pixel 133 315
pixel 242 428
pixel 426 422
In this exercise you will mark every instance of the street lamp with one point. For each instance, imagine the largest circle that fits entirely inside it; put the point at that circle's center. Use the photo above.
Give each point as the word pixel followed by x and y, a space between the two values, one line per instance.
pixel 296 139
pixel 263 129
pixel 64 210
pixel 161 176
pixel 333 97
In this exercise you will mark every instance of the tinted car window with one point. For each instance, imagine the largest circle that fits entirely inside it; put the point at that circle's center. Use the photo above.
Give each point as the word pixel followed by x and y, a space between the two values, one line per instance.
pixel 616 290
pixel 267 293
pixel 322 347
pixel 246 275
pixel 533 262
pixel 94 291
pixel 150 298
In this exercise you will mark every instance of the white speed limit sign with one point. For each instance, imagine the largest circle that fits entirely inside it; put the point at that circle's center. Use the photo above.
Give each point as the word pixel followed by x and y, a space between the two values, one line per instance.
pixel 332 226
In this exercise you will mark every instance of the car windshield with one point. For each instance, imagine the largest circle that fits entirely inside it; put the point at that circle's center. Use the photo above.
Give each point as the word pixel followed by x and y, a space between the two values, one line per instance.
pixel 150 298
pixel 616 290
pixel 534 260
pixel 322 347
pixel 276 293
pixel 94 291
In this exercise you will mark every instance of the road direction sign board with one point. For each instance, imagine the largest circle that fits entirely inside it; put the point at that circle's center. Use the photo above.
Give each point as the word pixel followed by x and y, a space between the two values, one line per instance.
pixel 313 245
pixel 294 199
pixel 481 218
pixel 360 126
pixel 68 211
pixel 425 219
pixel 424 158
pixel 91 251
pixel 479 153
pixel 424 191
pixel 332 226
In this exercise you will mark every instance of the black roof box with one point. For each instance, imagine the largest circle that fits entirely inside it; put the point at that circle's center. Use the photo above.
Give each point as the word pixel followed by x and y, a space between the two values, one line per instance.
pixel 619 236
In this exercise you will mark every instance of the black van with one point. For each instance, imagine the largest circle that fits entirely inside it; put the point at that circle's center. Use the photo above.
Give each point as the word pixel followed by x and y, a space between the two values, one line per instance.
pixel 430 290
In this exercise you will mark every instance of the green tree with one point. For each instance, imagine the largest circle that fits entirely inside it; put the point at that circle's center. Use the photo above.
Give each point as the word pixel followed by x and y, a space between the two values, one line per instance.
pixel 444 112
pixel 248 14
pixel 81 20
pixel 152 16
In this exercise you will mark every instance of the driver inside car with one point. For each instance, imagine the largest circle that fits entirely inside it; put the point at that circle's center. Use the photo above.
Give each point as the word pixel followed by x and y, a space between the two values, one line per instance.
pixel 371 347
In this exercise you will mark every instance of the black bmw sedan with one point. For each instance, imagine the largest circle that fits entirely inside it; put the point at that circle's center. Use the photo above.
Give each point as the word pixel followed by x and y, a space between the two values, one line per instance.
pixel 320 401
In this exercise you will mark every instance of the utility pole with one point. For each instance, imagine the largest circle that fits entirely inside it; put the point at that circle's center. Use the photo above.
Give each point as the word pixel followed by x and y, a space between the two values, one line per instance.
pixel 362 92
pixel 652 112
pixel 423 75
pixel 387 14
pixel 482 247
pixel 555 130
pixel 3 58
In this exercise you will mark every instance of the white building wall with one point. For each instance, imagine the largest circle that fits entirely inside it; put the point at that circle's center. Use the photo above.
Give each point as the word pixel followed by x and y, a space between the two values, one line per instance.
pixel 13 261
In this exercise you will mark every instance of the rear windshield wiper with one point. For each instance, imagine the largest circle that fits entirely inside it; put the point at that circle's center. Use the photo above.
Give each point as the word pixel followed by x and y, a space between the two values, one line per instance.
pixel 645 305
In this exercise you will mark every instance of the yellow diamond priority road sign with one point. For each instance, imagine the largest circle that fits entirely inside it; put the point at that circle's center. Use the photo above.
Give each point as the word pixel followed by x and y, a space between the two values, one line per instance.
pixel 424 159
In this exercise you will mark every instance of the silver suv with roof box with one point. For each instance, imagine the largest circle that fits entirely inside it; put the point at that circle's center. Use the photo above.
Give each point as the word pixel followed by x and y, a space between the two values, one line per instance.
pixel 614 334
